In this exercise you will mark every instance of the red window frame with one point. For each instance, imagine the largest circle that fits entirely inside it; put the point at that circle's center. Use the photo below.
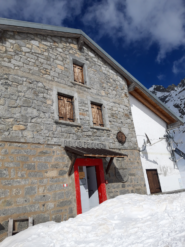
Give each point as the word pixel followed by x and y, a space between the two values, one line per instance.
pixel 98 163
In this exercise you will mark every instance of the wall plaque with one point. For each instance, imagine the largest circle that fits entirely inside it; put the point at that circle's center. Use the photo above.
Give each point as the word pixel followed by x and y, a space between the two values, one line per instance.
pixel 121 137
pixel 81 175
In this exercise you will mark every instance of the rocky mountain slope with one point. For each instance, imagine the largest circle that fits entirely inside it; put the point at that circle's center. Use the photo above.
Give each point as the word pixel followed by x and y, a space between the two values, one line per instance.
pixel 174 97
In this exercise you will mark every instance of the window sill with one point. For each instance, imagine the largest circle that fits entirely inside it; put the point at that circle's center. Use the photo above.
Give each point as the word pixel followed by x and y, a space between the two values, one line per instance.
pixel 79 84
pixel 68 123
pixel 100 128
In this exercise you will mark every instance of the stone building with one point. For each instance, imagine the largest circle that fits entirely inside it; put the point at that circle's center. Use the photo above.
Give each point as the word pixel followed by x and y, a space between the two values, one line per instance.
pixel 63 101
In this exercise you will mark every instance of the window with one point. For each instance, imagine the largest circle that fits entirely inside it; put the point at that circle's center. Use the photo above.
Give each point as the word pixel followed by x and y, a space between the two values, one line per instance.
pixel 65 105
pixel 78 73
pixel 97 115
pixel 65 108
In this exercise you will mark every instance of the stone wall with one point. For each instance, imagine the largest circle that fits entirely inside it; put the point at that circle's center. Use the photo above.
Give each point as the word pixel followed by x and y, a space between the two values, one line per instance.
pixel 33 163
pixel 32 178
pixel 31 66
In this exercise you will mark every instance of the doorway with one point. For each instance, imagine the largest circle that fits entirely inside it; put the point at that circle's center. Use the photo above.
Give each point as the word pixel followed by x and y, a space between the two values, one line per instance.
pixel 89 184
pixel 88 187
pixel 153 180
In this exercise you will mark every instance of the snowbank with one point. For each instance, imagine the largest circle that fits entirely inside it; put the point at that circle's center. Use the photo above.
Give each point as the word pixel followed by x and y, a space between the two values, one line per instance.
pixel 130 220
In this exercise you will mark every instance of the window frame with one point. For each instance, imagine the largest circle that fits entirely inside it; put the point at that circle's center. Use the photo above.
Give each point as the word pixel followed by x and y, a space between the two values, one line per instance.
pixel 71 102
pixel 80 62
pixel 96 106
pixel 69 94
pixel 104 113
pixel 83 81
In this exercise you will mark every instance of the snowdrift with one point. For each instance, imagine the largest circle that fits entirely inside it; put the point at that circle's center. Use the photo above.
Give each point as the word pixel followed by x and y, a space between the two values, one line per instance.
pixel 130 220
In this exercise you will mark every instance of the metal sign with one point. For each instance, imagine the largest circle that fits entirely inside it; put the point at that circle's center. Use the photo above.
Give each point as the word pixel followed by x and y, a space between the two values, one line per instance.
pixel 180 153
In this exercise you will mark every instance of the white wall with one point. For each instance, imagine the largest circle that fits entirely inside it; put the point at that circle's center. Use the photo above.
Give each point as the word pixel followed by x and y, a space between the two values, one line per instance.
pixel 155 156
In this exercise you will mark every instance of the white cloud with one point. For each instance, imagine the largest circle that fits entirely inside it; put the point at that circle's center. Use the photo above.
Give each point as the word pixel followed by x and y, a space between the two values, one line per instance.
pixel 42 11
pixel 179 66
pixel 161 77
pixel 147 21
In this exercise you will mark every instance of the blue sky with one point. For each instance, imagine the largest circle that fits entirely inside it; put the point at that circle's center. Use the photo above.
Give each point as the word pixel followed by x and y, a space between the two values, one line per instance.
pixel 147 37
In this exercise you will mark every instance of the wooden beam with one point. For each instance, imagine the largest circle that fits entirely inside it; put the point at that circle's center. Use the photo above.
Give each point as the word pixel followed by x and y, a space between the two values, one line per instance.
pixel 80 43
pixel 109 165
pixel 150 106
pixel 131 87
pixel 72 164
pixel 105 156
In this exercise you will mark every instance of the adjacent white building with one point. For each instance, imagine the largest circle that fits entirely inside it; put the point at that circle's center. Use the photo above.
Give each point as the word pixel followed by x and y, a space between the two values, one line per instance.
pixel 155 159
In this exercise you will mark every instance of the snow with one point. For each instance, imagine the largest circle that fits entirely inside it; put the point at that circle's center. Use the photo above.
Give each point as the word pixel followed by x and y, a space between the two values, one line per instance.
pixel 129 220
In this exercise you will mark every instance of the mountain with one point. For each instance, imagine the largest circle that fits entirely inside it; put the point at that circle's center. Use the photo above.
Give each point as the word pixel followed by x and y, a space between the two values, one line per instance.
pixel 174 98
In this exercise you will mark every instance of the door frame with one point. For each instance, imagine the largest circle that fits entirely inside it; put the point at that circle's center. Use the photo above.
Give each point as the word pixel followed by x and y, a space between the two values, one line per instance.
pixel 98 163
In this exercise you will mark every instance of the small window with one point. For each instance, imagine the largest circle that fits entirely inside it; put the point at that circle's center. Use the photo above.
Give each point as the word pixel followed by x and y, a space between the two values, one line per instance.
pixel 97 115
pixel 78 74
pixel 65 108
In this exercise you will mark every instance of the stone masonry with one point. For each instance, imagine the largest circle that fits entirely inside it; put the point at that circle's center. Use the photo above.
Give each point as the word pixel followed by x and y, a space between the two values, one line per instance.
pixel 33 162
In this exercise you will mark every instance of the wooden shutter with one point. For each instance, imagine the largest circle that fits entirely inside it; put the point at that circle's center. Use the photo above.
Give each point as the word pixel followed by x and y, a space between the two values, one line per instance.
pixel 69 109
pixel 61 107
pixel 65 108
pixel 78 73
pixel 97 115
pixel 100 117
pixel 94 114
pixel 153 180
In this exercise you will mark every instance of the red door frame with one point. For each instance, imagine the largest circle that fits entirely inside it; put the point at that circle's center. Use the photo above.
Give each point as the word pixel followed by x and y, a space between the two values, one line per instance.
pixel 98 163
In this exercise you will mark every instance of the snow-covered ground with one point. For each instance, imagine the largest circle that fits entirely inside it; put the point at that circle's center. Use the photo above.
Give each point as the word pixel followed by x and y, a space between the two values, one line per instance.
pixel 130 220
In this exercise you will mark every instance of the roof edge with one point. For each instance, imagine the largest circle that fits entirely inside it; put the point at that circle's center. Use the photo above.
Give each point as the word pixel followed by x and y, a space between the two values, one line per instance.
pixel 24 24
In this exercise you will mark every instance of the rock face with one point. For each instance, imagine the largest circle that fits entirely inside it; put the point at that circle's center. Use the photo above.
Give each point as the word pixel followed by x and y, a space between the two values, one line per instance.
pixel 173 96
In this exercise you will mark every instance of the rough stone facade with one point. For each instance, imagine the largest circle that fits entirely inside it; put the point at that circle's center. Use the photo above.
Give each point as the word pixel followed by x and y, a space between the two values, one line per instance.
pixel 33 162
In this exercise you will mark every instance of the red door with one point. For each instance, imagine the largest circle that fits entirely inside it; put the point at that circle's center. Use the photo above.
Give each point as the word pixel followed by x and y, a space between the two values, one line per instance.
pixel 100 180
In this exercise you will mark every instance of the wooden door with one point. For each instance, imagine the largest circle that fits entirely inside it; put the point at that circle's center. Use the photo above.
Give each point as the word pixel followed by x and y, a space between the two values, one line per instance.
pixel 153 180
